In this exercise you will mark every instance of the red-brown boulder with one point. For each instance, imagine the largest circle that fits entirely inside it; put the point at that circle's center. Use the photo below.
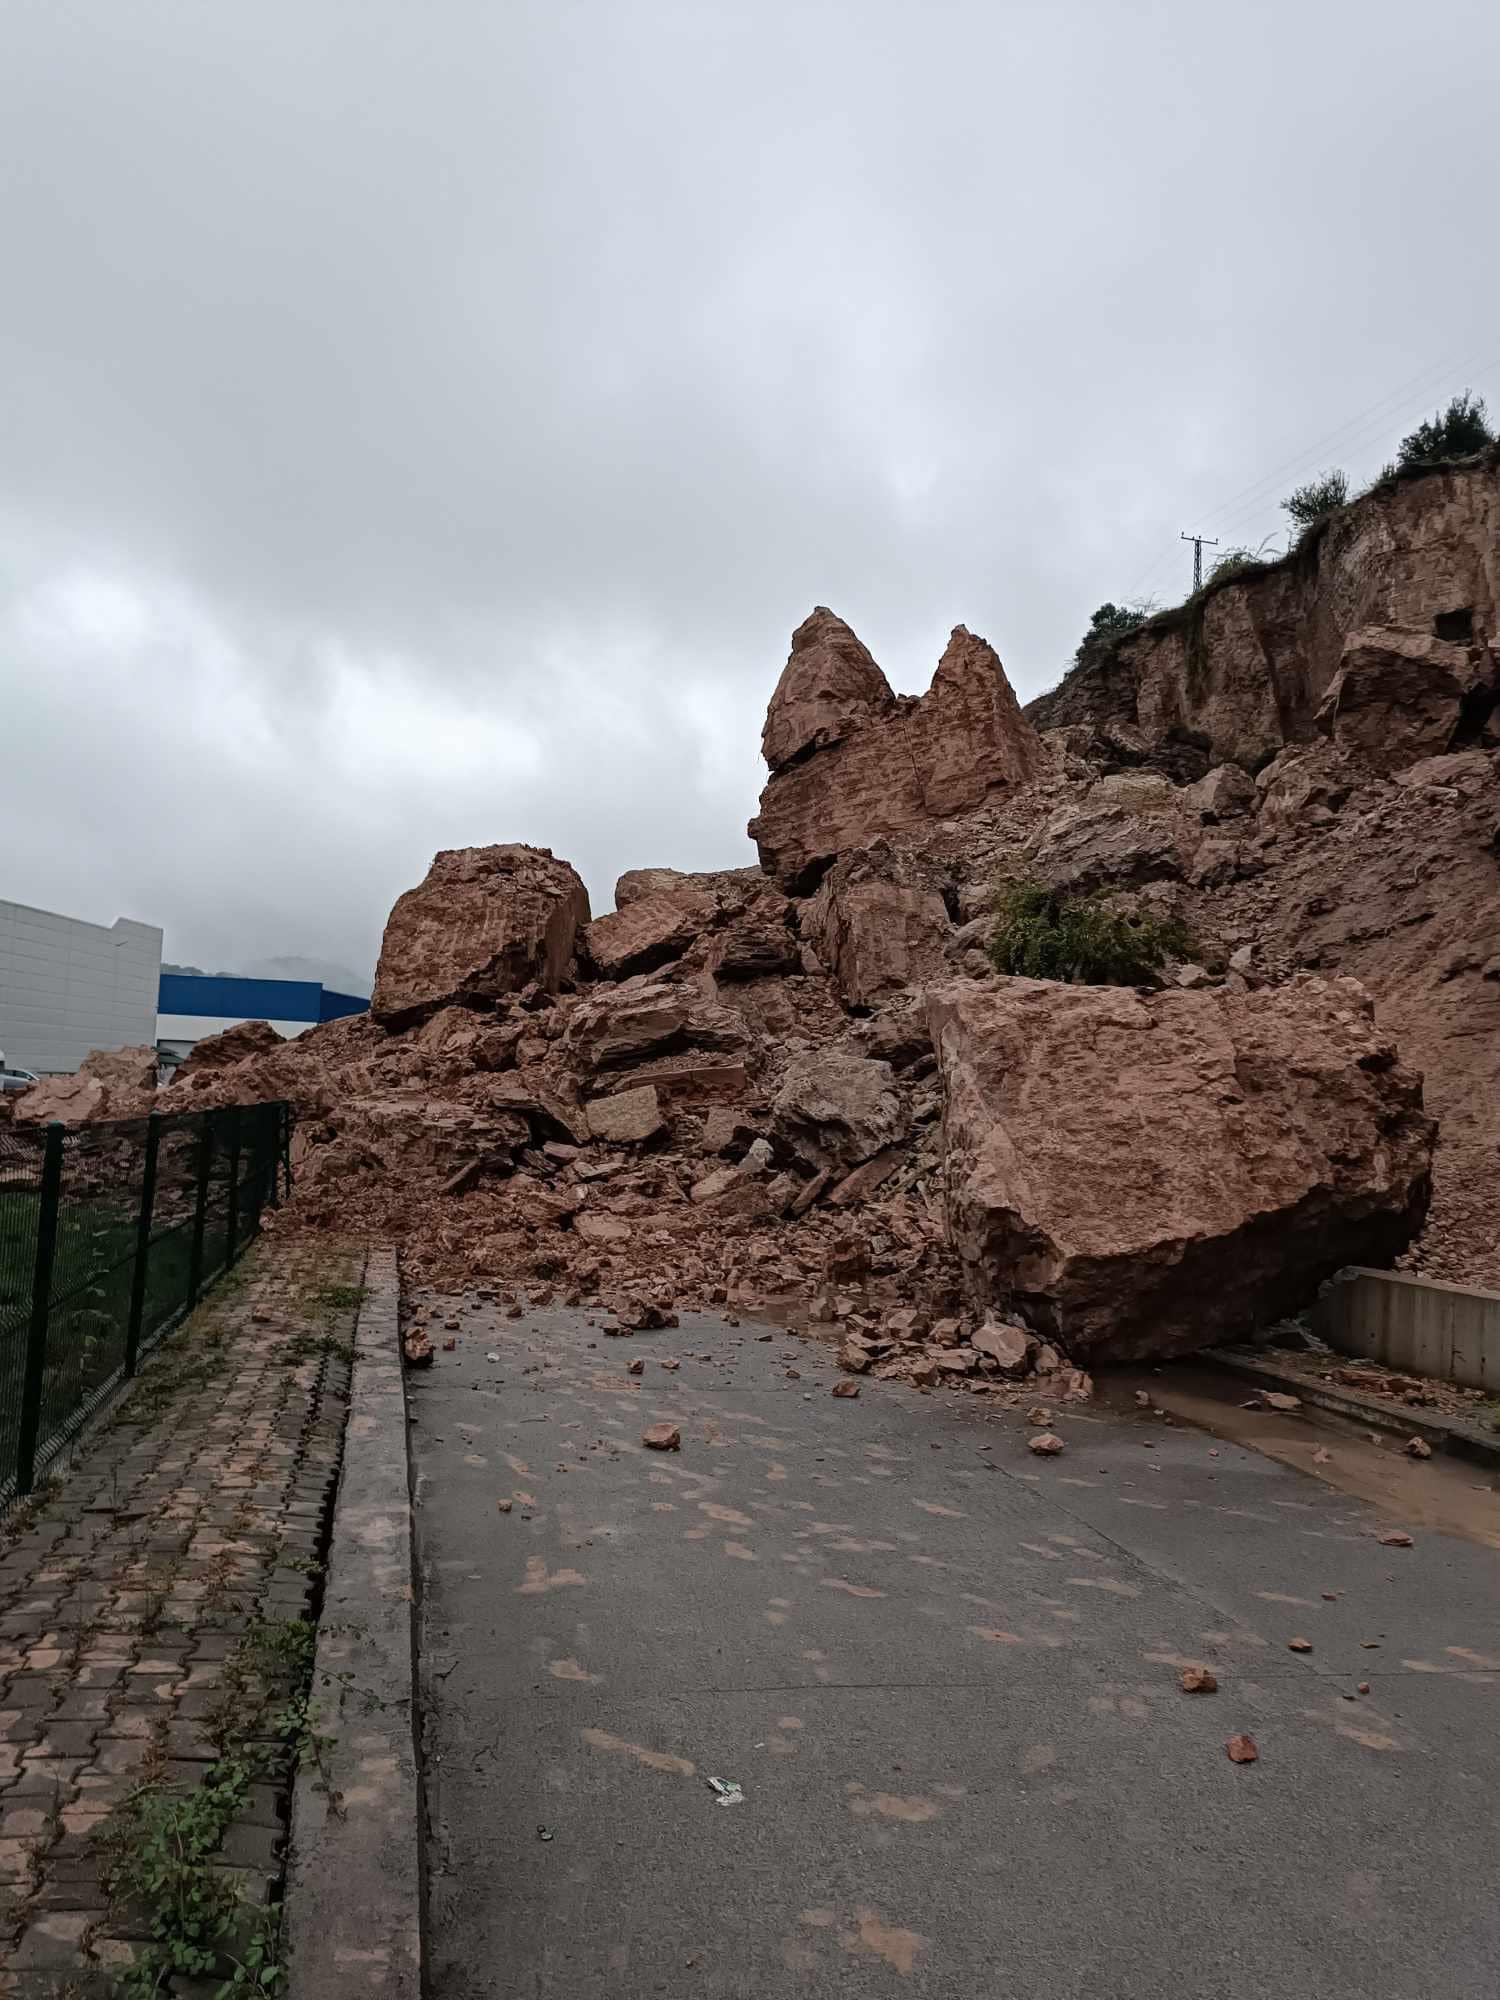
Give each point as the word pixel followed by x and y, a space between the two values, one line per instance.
pixel 1398 696
pixel 647 932
pixel 108 1083
pixel 879 922
pixel 851 761
pixel 231 1045
pixel 1141 1175
pixel 485 921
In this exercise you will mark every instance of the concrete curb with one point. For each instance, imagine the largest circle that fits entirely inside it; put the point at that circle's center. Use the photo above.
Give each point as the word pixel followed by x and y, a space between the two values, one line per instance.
pixel 1451 1434
pixel 354 1886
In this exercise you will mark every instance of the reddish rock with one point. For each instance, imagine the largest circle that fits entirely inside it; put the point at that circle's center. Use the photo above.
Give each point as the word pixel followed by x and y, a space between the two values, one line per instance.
pixel 759 946
pixel 878 923
pixel 627 1119
pixel 1146 1176
pixel 1047 1445
pixel 662 1437
pixel 1223 793
pixel 246 1039
pixel 846 1388
pixel 641 1018
pixel 1198 1680
pixel 485 922
pixel 836 1107
pixel 1009 1346
pixel 829 685
pixel 647 933
pixel 849 760
pixel 1400 695
pixel 1242 1750
pixel 108 1083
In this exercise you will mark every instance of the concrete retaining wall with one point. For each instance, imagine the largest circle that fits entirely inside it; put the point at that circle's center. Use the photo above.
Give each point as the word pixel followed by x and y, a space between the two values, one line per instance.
pixel 1415 1323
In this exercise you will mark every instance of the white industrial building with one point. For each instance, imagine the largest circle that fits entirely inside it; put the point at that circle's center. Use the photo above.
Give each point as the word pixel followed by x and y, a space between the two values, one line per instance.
pixel 67 987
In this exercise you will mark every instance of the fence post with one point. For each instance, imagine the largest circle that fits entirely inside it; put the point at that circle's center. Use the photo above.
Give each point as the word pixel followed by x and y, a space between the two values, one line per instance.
pixel 200 1209
pixel 142 1244
pixel 286 1147
pixel 262 1162
pixel 232 1224
pixel 272 1138
pixel 41 1301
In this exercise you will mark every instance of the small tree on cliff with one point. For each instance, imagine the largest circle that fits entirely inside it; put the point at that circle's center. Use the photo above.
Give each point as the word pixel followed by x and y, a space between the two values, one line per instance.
pixel 1318 497
pixel 1041 935
pixel 1457 432
pixel 1109 622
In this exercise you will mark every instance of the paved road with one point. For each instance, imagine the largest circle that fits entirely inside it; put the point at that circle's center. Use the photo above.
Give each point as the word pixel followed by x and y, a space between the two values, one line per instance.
pixel 945 1674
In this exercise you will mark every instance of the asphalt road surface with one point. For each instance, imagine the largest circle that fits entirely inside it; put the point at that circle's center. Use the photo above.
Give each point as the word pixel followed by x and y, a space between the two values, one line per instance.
pixel 945 1675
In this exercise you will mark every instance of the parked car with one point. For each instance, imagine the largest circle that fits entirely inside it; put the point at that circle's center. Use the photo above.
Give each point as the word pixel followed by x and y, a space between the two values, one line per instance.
pixel 15 1079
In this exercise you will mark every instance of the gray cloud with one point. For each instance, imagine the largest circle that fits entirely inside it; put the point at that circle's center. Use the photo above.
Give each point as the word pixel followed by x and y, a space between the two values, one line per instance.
pixel 425 425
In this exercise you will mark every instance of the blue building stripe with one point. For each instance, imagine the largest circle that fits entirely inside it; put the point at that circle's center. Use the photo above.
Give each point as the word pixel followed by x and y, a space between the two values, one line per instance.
pixel 253 999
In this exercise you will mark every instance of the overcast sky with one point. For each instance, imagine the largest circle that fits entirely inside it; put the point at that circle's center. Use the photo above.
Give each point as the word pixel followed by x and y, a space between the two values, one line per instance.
pixel 423 424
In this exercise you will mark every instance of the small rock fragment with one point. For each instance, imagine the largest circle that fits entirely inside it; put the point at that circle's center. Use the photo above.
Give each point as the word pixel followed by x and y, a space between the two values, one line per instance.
pixel 502 1506
pixel 1273 1399
pixel 1142 1396
pixel 1321 1457
pixel 1039 1414
pixel 1198 1680
pixel 1395 1538
pixel 1242 1749
pixel 417 1349
pixel 1418 1448
pixel 1299 1645
pixel 846 1388
pixel 637 1366
pixel 662 1437
pixel 1364 1687
pixel 672 1365
pixel 1048 1445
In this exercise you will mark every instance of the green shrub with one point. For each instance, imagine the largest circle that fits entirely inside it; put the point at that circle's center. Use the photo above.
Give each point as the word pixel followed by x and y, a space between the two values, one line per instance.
pixel 1457 432
pixel 1042 935
pixel 1238 562
pixel 1109 622
pixel 1318 497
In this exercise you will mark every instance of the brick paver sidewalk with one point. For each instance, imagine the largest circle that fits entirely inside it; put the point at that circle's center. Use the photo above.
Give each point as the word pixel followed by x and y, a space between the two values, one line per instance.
pixel 153 1625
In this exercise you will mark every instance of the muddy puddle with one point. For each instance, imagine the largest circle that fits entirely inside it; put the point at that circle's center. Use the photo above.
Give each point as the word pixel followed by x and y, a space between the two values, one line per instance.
pixel 1441 1492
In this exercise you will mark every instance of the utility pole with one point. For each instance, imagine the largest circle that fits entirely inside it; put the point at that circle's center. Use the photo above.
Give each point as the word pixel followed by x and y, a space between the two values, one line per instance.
pixel 1199 542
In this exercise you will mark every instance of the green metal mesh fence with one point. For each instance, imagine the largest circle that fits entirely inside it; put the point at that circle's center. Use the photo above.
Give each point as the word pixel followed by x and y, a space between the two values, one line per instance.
pixel 108 1234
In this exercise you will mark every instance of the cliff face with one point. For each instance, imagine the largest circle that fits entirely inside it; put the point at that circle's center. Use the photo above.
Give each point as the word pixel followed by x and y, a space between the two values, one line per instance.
pixel 1241 673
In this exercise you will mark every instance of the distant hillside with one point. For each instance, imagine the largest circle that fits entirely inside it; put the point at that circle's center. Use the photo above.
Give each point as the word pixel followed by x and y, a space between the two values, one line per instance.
pixel 341 978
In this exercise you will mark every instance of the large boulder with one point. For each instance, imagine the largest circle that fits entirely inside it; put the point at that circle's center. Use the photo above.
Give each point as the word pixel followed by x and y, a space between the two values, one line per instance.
pixel 647 932
pixel 879 922
pixel 829 685
pixel 836 1108
pixel 1398 696
pixel 108 1083
pixel 642 1018
pixel 1082 848
pixel 243 1041
pixel 850 761
pixel 486 921
pixel 1148 1175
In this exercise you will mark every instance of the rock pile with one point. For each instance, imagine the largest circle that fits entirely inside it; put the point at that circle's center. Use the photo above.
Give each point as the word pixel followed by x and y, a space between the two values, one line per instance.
pixel 803 1088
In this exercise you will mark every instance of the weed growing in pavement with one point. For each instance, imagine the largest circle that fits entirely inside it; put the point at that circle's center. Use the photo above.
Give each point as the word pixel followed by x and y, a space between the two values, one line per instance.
pixel 158 1850
pixel 159 1846
pixel 339 1297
